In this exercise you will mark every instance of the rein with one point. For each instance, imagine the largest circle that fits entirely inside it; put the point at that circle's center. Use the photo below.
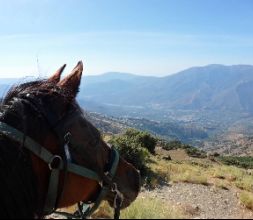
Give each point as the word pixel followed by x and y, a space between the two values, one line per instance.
pixel 56 164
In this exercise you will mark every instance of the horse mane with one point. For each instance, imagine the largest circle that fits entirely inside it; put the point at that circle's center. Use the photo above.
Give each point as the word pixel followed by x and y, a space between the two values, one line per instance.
pixel 18 185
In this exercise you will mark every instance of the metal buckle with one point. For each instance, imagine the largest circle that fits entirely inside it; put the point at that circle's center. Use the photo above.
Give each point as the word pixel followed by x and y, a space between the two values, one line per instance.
pixel 114 188
pixel 55 162
pixel 67 137
pixel 118 199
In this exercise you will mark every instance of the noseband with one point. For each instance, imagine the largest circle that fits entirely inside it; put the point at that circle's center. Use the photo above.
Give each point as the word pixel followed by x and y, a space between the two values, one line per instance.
pixel 63 163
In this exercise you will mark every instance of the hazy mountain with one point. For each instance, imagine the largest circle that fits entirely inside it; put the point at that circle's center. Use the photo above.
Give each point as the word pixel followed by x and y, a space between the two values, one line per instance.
pixel 112 87
pixel 213 87
pixel 110 76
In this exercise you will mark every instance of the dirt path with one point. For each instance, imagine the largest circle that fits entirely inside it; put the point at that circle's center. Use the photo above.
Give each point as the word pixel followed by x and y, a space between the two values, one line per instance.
pixel 202 202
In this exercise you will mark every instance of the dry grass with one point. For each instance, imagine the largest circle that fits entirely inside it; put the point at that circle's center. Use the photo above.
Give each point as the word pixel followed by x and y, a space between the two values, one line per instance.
pixel 180 172
pixel 245 183
pixel 191 177
pixel 229 173
pixel 222 184
pixel 150 208
pixel 104 212
pixel 233 176
pixel 144 208
pixel 246 199
pixel 202 172
pixel 179 154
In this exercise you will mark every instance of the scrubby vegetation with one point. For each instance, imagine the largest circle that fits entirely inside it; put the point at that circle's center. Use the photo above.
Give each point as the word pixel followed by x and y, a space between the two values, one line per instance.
pixel 131 151
pixel 135 146
pixel 190 150
pixel 243 162
pixel 144 139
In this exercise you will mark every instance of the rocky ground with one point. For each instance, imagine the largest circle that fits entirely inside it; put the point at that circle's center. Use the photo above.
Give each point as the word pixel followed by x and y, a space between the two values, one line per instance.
pixel 202 202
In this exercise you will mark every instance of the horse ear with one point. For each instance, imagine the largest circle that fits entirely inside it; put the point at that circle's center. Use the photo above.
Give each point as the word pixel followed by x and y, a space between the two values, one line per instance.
pixel 72 82
pixel 57 76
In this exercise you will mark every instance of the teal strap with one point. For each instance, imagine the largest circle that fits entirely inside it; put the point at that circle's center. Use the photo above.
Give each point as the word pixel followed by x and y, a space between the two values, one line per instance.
pixel 52 192
pixel 30 144
pixel 82 171
pixel 115 163
pixel 43 153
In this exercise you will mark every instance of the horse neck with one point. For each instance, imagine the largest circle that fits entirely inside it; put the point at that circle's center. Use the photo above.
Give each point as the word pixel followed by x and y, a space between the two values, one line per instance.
pixel 17 183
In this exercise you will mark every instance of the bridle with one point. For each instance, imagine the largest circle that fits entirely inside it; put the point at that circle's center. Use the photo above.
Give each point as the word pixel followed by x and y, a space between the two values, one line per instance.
pixel 63 163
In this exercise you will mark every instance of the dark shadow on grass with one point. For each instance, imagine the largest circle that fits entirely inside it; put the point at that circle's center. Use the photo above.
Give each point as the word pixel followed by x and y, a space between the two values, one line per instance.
pixel 152 180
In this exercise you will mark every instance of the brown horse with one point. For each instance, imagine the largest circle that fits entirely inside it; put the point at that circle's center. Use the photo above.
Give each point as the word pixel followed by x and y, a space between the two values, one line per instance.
pixel 43 112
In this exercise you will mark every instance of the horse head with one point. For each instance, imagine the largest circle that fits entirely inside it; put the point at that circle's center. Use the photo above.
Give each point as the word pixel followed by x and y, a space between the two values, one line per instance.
pixel 46 113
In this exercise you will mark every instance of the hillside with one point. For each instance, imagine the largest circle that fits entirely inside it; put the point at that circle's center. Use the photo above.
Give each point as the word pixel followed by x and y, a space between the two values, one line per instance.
pixel 166 130
pixel 234 142
pixel 105 124
pixel 178 185
pixel 230 144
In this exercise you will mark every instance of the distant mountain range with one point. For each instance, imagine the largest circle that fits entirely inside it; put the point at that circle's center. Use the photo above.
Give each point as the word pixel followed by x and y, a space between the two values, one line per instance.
pixel 213 87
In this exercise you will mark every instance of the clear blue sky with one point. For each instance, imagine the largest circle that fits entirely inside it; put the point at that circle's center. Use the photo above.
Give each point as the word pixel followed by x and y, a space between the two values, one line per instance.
pixel 151 37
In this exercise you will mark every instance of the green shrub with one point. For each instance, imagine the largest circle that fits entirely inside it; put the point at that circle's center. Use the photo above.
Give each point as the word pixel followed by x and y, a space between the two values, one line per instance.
pixel 131 151
pixel 172 145
pixel 144 139
pixel 195 152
